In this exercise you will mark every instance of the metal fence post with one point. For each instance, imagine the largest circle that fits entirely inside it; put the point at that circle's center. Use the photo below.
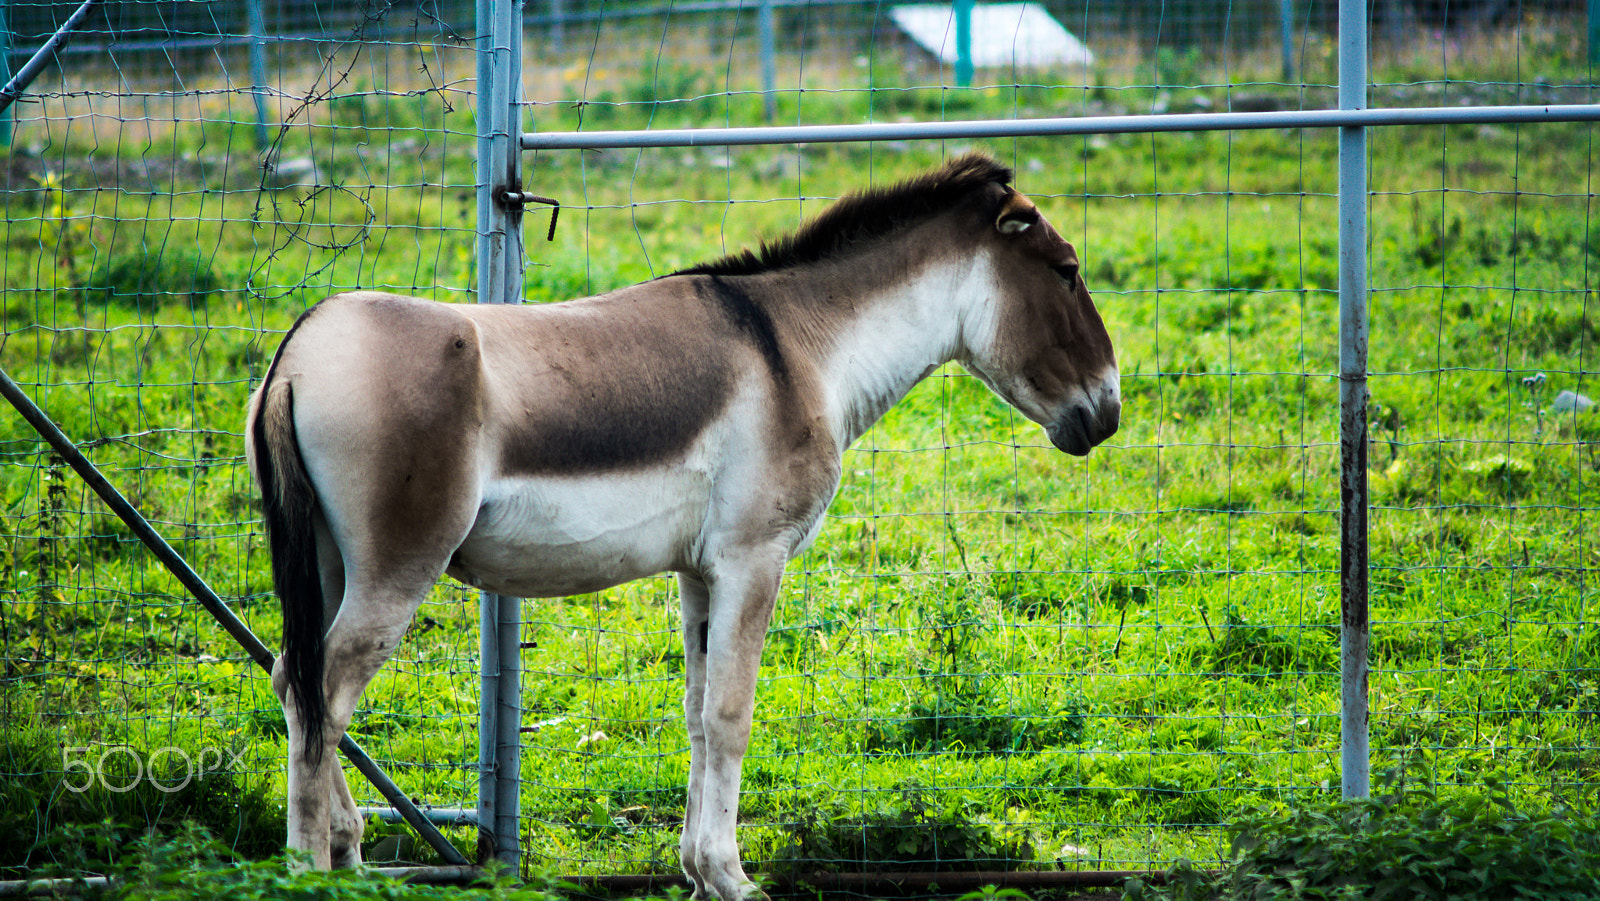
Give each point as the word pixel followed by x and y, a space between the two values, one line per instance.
pixel 1594 32
pixel 499 281
pixel 5 75
pixel 258 72
pixel 1353 399
pixel 558 28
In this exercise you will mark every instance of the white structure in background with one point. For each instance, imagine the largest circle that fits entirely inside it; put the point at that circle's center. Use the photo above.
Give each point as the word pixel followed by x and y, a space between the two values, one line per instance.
pixel 1003 35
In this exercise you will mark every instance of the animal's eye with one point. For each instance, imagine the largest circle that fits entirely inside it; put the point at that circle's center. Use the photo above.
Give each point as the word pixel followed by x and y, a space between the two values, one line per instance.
pixel 1068 272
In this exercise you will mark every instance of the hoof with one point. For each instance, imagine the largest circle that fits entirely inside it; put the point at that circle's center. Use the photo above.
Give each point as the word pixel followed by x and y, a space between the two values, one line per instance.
pixel 745 891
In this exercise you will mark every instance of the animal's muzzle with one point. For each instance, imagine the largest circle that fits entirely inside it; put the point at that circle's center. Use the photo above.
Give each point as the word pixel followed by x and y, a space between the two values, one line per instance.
pixel 1085 425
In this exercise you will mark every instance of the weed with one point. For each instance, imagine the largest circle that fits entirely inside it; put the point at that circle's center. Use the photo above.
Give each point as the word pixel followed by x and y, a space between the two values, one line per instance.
pixel 1410 842
pixel 188 864
pixel 976 719
pixel 53 821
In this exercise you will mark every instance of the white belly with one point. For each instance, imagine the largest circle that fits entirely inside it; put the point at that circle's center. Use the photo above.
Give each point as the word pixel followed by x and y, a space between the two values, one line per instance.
pixel 553 537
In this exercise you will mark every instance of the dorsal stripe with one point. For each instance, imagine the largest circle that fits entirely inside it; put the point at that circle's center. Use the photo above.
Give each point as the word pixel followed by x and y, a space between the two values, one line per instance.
pixel 751 319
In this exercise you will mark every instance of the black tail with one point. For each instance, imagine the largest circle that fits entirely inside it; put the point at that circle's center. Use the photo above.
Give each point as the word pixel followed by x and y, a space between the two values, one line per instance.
pixel 288 502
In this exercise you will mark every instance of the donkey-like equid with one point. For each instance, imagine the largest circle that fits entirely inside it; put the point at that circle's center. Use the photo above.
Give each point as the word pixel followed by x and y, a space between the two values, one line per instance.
pixel 693 423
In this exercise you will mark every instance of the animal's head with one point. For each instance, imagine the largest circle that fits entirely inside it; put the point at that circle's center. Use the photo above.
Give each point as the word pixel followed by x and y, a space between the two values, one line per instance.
pixel 1042 345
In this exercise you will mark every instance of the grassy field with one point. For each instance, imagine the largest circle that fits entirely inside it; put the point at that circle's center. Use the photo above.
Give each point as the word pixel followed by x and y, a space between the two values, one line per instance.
pixel 995 656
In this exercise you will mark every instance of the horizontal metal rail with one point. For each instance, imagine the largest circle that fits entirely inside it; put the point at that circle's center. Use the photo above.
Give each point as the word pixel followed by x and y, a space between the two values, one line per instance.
pixel 442 816
pixel 670 9
pixel 1082 125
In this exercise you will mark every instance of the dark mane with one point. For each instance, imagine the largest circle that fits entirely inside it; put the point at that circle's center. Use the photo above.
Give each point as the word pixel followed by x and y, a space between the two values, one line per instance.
pixel 863 216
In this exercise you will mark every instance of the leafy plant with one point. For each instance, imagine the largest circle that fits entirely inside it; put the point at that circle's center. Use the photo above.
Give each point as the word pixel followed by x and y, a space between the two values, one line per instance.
pixel 190 865
pixel 1410 842
pixel 976 719
pixel 52 820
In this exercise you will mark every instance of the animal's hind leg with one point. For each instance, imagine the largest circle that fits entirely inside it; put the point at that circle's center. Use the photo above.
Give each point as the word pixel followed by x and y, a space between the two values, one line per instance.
pixel 694 601
pixel 345 825
pixel 370 624
pixel 308 785
pixel 322 816
pixel 344 821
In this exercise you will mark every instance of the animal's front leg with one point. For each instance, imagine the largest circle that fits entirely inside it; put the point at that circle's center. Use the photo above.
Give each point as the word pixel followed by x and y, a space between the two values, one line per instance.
pixel 741 608
pixel 695 602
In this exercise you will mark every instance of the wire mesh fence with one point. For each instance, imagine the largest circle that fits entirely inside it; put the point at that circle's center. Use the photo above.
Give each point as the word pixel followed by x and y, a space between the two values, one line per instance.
pixel 994 657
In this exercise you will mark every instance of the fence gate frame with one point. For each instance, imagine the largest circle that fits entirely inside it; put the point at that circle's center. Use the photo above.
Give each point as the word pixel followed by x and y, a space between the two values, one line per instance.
pixel 499 279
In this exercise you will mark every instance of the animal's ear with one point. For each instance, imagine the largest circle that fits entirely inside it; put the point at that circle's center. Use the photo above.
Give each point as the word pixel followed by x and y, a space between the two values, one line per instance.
pixel 1017 215
pixel 1015 225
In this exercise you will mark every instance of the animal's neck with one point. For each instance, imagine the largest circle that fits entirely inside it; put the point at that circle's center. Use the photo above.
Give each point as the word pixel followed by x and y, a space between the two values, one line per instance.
pixel 898 335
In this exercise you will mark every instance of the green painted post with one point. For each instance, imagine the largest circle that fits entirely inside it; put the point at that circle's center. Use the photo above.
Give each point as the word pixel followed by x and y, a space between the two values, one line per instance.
pixel 963 16
pixel 1594 32
pixel 769 63
pixel 1286 29
pixel 5 75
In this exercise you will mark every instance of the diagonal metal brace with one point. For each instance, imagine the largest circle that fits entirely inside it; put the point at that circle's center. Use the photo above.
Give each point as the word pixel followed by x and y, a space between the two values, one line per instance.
pixel 30 70
pixel 213 603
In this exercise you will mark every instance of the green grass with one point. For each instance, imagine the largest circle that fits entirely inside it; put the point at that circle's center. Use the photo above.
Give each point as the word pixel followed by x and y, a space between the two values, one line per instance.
pixel 1045 661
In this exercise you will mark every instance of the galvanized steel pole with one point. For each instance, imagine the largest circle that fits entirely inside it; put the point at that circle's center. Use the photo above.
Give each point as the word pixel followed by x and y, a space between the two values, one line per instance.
pixel 979 129
pixel 499 281
pixel 1353 399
